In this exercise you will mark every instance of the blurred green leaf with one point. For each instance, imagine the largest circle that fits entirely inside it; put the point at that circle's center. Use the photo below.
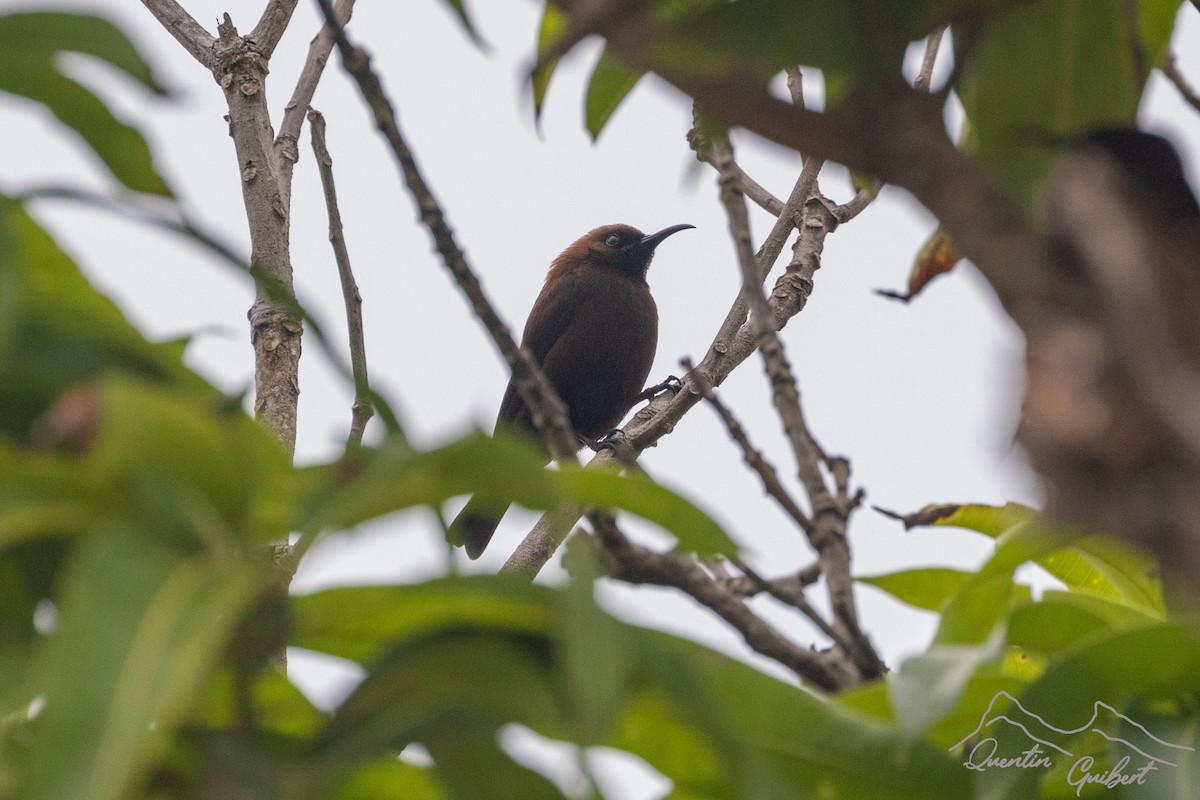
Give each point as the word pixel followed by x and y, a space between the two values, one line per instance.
pixel 595 652
pixel 783 742
pixel 1108 568
pixel 1041 71
pixel 277 705
pixel 374 482
pixel 550 31
pixel 638 494
pixel 56 330
pixel 30 46
pixel 610 83
pixel 929 686
pixel 390 779
pixel 175 452
pixel 357 622
pixel 1087 691
pixel 446 689
pixel 765 36
pixel 929 588
pixel 1055 624
pixel 460 11
pixel 981 603
pixel 141 624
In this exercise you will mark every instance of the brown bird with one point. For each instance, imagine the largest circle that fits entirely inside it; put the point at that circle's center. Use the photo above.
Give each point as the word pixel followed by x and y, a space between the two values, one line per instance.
pixel 593 330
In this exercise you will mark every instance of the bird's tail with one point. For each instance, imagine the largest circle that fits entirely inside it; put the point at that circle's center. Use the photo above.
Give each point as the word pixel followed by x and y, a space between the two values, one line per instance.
pixel 475 524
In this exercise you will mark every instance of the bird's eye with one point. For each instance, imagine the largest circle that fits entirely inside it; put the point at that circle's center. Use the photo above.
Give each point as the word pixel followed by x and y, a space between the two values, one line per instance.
pixel 613 240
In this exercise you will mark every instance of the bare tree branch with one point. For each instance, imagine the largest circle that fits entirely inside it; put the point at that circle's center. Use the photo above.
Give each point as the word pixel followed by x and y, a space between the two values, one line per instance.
pixel 363 408
pixel 287 141
pixel 271 25
pixel 752 456
pixel 186 30
pixel 638 565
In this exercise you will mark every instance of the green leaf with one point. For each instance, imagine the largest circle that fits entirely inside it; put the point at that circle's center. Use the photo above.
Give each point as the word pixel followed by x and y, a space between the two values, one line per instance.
pixel 56 330
pixel 176 455
pixel 279 707
pixel 460 11
pixel 638 494
pixel 390 779
pixel 1054 625
pixel 1096 564
pixel 358 622
pixel 374 482
pixel 595 651
pixel 550 31
pixel 929 686
pixel 979 606
pixel 30 44
pixel 1156 665
pixel 141 626
pixel 929 588
pixel 784 742
pixel 46 33
pixel 1105 567
pixel 610 83
pixel 42 494
pixel 457 685
pixel 763 37
pixel 1041 71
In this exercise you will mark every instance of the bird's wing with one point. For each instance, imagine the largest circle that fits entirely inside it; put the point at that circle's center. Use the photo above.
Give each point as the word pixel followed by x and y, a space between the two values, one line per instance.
pixel 550 317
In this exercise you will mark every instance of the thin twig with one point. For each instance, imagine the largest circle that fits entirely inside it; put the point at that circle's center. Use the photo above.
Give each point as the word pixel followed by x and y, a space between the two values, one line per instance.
pixel 548 411
pixel 934 40
pixel 1186 90
pixel 184 27
pixel 287 141
pixel 639 565
pixel 752 456
pixel 784 593
pixel 828 535
pixel 362 410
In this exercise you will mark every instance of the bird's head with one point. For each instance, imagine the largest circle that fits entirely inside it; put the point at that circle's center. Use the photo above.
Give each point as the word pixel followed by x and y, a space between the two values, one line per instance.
pixel 620 247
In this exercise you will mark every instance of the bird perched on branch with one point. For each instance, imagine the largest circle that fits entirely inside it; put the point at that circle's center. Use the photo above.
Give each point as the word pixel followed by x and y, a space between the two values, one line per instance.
pixel 593 331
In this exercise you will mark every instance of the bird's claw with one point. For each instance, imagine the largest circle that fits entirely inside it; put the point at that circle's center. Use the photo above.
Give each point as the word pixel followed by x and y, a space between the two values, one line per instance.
pixel 672 384
pixel 612 440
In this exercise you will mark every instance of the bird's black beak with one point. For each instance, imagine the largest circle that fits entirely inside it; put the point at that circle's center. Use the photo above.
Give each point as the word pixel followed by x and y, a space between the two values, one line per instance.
pixel 648 243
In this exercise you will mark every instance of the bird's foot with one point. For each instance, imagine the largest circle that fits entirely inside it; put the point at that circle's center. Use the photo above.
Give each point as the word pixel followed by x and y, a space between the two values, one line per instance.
pixel 614 440
pixel 671 384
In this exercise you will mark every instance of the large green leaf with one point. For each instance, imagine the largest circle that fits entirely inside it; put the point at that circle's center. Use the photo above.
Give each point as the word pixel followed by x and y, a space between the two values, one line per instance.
pixel 639 494
pixel 786 742
pixel 30 46
pixel 56 330
pixel 596 658
pixel 609 85
pixel 451 660
pixel 1103 691
pixel 550 30
pixel 141 625
pixel 176 457
pixel 1043 70
pixel 358 622
pixel 930 588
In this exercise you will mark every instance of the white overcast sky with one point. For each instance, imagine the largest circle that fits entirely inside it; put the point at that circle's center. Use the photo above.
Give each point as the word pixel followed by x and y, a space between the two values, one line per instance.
pixel 922 398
